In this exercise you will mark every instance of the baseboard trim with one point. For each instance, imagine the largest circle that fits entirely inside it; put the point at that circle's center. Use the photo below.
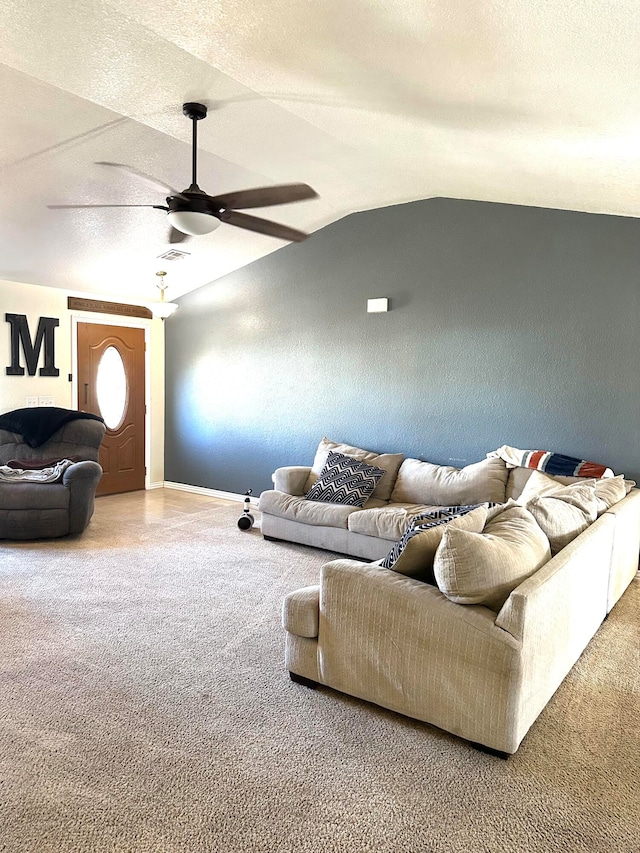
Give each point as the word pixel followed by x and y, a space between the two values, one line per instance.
pixel 159 485
pixel 212 493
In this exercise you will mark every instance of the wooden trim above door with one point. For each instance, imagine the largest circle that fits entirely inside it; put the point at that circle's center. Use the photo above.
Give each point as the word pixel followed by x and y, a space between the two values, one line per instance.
pixel 75 303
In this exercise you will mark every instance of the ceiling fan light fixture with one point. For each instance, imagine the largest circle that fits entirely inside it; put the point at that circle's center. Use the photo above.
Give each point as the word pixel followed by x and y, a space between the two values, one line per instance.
pixel 192 222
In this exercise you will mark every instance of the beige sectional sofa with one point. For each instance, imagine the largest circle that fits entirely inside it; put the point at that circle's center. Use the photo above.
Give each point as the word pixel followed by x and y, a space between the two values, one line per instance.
pixel 481 672
pixel 409 488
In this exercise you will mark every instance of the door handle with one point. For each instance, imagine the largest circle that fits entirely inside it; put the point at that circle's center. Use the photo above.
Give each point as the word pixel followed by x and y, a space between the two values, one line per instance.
pixel 86 392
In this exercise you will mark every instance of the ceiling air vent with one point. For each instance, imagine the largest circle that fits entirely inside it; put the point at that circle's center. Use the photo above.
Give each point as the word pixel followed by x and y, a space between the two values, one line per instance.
pixel 174 255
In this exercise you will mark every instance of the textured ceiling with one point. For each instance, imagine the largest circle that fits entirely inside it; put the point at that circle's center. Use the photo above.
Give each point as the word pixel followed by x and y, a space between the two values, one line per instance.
pixel 371 103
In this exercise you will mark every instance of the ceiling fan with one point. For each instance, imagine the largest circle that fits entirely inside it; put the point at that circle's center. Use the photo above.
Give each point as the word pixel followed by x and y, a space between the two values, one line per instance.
pixel 192 212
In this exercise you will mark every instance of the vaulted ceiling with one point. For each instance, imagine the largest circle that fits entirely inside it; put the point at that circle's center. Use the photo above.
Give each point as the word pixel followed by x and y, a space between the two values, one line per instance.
pixel 371 103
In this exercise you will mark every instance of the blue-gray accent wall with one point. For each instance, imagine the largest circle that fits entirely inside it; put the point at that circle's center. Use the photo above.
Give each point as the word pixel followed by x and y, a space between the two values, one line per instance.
pixel 508 325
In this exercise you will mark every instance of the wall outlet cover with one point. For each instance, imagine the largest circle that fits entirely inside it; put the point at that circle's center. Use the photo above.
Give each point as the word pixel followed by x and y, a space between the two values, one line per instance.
pixel 46 401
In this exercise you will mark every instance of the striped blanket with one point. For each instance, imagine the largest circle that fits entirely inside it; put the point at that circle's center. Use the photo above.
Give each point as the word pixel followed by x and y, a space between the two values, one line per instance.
pixel 425 521
pixel 550 463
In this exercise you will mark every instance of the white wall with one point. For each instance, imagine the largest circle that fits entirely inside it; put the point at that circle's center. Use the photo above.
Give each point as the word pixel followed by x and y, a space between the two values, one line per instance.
pixel 35 301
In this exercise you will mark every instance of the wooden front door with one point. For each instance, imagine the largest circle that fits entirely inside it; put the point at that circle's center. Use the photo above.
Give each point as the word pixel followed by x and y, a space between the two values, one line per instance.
pixel 111 361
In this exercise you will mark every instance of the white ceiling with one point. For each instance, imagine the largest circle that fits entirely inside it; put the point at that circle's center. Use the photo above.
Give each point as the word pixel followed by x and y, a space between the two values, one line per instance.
pixel 373 103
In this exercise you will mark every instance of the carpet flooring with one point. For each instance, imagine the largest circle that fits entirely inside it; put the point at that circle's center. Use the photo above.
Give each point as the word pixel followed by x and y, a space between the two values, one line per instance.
pixel 144 708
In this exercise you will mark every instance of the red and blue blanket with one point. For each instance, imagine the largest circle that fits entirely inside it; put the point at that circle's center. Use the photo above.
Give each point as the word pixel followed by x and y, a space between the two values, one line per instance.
pixel 550 463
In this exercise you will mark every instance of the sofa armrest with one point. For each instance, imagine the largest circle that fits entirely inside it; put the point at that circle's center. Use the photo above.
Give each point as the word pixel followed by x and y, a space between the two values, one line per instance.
pixel 555 613
pixel 82 480
pixel 300 612
pixel 291 479
pixel 563 603
pixel 626 545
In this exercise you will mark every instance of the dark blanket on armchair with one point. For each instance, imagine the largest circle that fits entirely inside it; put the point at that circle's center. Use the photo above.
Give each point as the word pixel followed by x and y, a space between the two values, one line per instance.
pixel 37 424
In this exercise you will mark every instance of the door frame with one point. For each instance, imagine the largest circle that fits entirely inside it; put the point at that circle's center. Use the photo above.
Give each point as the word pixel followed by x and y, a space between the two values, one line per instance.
pixel 131 322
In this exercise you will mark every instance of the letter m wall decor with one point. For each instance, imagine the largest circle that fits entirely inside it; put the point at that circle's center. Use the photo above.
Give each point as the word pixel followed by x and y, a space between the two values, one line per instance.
pixel 20 335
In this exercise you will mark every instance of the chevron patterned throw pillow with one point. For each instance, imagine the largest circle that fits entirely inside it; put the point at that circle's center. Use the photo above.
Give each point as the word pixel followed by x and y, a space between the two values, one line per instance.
pixel 345 480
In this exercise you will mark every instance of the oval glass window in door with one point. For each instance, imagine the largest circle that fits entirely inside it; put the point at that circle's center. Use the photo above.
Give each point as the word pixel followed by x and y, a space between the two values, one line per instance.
pixel 111 387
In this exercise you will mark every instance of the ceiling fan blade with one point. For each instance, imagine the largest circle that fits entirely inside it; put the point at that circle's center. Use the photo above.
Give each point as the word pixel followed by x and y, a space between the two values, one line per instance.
pixel 138 174
pixel 176 236
pixel 79 206
pixel 265 196
pixel 262 226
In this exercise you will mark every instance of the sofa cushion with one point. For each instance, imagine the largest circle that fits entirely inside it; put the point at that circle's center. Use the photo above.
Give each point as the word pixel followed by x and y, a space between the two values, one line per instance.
pixel 537 484
pixel 33 496
pixel 565 512
pixel 386 522
pixel 77 438
pixel 441 485
pixel 609 490
pixel 520 477
pixel 297 508
pixel 389 462
pixel 484 568
pixel 413 554
pixel 344 480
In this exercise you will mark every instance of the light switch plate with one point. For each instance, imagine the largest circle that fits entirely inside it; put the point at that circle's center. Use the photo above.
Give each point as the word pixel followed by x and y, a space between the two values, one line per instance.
pixel 377 306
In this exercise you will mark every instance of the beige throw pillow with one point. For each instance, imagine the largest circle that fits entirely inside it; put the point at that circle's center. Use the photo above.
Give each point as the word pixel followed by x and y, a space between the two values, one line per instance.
pixel 389 462
pixel 565 512
pixel 413 555
pixel 538 484
pixel 609 490
pixel 484 568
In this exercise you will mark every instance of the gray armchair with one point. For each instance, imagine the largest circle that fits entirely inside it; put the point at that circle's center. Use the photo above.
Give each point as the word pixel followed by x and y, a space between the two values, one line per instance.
pixel 31 510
